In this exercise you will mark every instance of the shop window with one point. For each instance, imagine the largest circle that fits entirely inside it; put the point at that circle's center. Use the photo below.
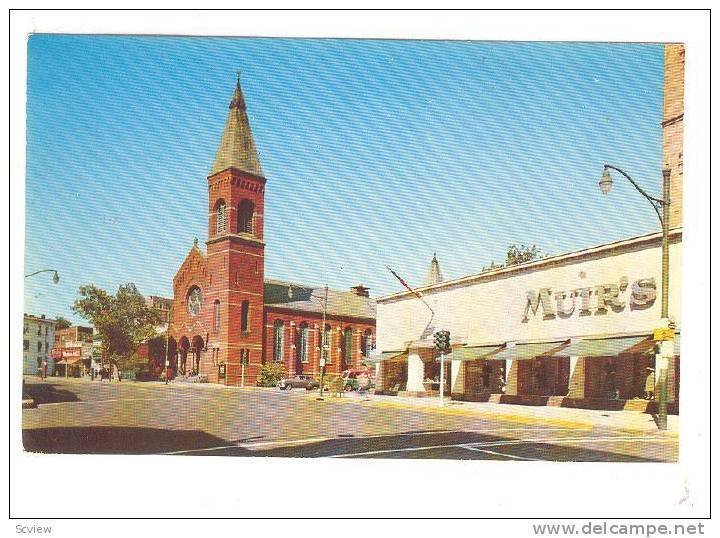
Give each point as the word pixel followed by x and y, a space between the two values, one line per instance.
pixel 26 345
pixel 39 347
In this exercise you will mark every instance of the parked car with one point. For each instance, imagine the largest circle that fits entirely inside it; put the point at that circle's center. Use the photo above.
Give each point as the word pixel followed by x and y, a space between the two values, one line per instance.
pixel 357 380
pixel 298 382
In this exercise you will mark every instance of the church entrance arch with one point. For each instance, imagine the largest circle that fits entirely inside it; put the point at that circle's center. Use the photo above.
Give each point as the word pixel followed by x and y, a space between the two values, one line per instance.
pixel 171 354
pixel 183 353
pixel 197 346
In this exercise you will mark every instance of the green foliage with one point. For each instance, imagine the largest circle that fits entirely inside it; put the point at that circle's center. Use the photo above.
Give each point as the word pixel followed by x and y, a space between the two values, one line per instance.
pixel 270 374
pixel 156 349
pixel 516 255
pixel 521 254
pixel 62 323
pixel 123 320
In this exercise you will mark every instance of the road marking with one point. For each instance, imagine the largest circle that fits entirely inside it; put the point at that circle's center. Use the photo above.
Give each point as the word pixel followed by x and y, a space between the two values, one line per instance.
pixel 191 450
pixel 498 443
pixel 250 446
pixel 553 440
pixel 494 453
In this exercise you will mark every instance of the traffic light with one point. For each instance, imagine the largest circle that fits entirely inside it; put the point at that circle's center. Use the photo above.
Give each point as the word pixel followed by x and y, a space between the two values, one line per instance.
pixel 442 341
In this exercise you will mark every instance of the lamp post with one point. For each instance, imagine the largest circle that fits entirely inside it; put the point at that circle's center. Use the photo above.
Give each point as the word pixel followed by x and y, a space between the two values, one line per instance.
pixel 658 204
pixel 323 344
pixel 55 278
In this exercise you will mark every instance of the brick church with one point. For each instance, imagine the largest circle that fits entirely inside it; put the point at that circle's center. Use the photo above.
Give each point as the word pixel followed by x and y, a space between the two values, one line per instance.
pixel 225 312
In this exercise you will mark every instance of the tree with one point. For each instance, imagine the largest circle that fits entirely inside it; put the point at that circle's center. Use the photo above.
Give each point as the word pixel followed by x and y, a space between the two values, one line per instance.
pixel 123 321
pixel 62 323
pixel 521 254
pixel 516 255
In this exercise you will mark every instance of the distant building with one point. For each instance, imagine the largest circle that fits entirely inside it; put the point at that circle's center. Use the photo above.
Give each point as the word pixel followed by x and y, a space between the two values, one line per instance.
pixel 38 341
pixel 73 350
pixel 163 304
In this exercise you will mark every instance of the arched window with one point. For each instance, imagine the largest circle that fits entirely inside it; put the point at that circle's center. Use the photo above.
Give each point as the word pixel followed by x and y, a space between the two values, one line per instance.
pixel 326 344
pixel 220 217
pixel 216 315
pixel 347 346
pixel 244 315
pixel 367 343
pixel 278 340
pixel 245 217
pixel 302 345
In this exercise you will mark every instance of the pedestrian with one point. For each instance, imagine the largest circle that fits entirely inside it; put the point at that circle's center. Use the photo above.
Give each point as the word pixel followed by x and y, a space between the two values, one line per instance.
pixel 650 384
pixel 44 369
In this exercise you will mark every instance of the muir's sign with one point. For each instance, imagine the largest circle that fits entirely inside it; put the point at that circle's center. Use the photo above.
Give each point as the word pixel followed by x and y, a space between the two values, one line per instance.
pixel 591 300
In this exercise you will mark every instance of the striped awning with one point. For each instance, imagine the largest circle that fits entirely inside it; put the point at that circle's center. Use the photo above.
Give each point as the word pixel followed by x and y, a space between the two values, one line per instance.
pixel 476 352
pixel 607 347
pixel 70 360
pixel 393 356
pixel 530 350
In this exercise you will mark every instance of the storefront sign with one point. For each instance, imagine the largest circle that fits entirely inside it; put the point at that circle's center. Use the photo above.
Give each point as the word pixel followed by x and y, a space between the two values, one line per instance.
pixel 661 335
pixel 591 300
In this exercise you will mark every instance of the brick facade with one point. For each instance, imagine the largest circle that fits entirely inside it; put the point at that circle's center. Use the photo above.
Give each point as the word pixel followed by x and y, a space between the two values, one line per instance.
pixel 673 117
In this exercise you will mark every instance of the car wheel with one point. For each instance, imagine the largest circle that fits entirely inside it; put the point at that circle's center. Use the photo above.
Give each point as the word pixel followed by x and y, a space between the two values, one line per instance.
pixel 288 387
pixel 348 388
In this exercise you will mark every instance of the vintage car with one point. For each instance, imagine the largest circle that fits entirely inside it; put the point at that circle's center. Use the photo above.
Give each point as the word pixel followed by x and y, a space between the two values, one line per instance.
pixel 298 382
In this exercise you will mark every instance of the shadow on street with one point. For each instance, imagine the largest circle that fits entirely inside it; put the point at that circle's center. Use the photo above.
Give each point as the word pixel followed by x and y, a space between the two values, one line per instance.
pixel 114 440
pixel 44 393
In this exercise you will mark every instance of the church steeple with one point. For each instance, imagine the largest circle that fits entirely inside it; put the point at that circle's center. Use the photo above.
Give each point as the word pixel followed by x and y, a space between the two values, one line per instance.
pixel 434 276
pixel 237 146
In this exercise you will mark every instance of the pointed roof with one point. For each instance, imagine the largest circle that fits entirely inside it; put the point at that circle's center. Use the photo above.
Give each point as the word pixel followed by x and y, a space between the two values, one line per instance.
pixel 434 276
pixel 237 146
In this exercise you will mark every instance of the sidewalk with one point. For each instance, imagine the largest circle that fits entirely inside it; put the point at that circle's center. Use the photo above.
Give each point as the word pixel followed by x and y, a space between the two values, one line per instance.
pixel 522 414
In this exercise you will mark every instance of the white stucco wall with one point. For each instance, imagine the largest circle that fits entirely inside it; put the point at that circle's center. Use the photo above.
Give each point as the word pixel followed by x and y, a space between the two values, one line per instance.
pixel 492 310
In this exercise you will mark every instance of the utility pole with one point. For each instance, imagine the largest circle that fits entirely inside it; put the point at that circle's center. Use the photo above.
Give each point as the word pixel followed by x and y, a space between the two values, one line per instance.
pixel 324 345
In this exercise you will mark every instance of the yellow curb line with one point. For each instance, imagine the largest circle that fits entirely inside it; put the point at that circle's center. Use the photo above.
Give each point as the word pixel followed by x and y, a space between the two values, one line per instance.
pixel 519 419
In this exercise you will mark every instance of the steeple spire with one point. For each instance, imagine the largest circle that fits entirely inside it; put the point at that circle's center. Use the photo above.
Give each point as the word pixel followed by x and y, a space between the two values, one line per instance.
pixel 434 276
pixel 237 146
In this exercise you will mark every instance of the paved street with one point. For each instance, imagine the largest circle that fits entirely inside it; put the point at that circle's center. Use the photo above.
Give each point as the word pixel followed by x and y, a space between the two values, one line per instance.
pixel 77 416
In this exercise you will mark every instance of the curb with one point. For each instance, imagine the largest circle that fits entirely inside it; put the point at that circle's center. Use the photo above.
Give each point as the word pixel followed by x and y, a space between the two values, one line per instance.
pixel 510 417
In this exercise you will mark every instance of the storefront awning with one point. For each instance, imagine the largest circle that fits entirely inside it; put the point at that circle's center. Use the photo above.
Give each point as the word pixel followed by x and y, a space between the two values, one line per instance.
pixel 476 352
pixel 651 349
pixel 71 360
pixel 530 350
pixel 607 347
pixel 385 356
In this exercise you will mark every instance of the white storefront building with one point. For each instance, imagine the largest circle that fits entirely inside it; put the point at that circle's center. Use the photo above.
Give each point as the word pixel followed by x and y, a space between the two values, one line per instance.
pixel 571 330
pixel 38 341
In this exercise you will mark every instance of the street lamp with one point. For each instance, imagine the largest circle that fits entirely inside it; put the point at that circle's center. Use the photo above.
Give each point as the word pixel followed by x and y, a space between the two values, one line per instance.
pixel 55 278
pixel 323 344
pixel 605 185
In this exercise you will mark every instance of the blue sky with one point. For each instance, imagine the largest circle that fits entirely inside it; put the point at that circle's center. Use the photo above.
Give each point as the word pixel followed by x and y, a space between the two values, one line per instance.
pixel 375 152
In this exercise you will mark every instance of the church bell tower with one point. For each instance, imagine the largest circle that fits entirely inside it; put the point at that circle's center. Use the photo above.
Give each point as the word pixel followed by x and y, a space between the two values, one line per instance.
pixel 235 251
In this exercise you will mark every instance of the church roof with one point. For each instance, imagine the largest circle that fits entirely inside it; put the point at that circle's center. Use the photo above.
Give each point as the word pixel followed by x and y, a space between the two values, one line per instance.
pixel 304 298
pixel 237 146
pixel 434 276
